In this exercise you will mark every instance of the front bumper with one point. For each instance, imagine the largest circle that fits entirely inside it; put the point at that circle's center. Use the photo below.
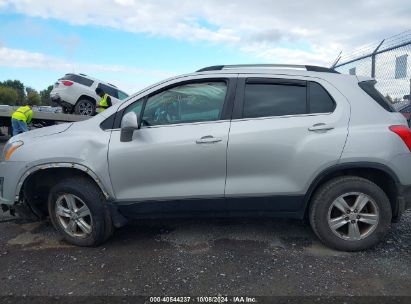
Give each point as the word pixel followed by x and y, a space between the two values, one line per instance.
pixel 10 174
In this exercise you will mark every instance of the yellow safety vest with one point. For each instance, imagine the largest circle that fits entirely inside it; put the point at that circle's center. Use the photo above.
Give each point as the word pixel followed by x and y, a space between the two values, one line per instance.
pixel 103 104
pixel 23 114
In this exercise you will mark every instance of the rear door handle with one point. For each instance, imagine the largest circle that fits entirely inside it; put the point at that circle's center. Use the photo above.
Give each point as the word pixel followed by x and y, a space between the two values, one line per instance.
pixel 209 139
pixel 320 127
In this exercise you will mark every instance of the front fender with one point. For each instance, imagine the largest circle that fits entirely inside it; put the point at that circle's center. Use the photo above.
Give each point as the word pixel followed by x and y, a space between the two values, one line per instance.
pixel 104 188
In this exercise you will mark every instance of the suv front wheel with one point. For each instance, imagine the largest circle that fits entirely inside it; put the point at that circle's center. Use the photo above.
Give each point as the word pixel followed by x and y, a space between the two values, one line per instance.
pixel 350 213
pixel 78 211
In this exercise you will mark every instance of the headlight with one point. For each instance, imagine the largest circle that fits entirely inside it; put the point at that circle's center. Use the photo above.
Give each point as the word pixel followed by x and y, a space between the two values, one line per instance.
pixel 10 148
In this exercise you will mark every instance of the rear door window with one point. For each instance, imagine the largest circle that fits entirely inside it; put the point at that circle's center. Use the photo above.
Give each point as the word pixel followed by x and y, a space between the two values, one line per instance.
pixel 268 97
pixel 274 99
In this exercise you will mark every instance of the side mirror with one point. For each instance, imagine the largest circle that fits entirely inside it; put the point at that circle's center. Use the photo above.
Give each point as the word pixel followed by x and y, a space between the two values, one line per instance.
pixel 129 123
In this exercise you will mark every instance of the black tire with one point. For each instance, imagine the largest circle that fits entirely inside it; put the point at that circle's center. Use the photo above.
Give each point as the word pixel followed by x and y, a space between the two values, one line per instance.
pixel 329 192
pixel 85 107
pixel 92 197
pixel 65 110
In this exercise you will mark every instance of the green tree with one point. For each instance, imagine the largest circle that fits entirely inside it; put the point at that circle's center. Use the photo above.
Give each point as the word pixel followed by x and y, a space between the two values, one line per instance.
pixel 33 96
pixel 45 96
pixel 29 90
pixel 18 86
pixel 8 96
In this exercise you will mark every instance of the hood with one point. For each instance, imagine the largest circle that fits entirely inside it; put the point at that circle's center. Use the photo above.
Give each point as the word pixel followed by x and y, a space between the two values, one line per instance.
pixel 46 131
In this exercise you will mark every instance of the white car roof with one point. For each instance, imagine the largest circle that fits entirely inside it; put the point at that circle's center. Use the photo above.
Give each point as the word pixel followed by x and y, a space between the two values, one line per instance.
pixel 95 80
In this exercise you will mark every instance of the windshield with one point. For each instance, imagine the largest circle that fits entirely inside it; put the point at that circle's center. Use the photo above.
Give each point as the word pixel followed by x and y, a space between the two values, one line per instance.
pixel 122 95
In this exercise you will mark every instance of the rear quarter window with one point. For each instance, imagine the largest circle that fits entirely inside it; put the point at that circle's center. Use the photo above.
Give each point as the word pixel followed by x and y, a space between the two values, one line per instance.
pixel 369 88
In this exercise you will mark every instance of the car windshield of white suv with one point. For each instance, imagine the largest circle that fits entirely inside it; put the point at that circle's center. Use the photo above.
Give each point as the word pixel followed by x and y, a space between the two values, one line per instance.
pixel 122 95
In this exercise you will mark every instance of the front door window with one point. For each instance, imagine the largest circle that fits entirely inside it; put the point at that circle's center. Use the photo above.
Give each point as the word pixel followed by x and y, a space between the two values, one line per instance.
pixel 196 102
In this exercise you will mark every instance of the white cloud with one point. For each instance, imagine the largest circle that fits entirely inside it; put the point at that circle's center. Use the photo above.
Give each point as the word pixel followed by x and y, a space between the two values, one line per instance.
pixel 116 74
pixel 170 19
pixel 305 31
pixel 20 58
pixel 267 53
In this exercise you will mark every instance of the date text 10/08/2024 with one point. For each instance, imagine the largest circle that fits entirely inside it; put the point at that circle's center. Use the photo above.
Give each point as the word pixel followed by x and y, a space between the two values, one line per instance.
pixel 214 299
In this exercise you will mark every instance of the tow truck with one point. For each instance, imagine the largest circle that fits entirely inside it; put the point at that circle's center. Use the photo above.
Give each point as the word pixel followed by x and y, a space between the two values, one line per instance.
pixel 40 119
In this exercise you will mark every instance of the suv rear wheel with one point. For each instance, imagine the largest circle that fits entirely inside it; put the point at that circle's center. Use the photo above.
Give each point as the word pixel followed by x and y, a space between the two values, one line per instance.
pixel 78 211
pixel 350 213
pixel 85 107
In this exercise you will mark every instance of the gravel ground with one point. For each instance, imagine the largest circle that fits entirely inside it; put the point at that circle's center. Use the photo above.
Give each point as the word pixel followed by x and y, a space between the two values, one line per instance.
pixel 201 257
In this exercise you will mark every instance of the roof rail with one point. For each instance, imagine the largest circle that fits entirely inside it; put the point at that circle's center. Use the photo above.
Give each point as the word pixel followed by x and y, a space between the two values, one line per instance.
pixel 311 68
pixel 112 85
pixel 82 74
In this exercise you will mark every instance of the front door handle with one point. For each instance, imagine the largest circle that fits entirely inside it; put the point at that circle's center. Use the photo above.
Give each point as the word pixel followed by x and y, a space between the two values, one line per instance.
pixel 209 139
pixel 320 127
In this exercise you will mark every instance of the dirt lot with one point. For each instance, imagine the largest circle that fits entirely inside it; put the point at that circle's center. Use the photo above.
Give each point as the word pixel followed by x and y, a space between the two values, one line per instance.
pixel 201 257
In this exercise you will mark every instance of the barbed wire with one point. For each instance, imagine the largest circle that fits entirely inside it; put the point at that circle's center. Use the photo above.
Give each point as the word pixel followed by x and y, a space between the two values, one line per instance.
pixel 390 66
pixel 369 48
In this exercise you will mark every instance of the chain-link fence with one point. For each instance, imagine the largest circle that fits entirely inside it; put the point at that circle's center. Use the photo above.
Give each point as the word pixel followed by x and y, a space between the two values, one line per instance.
pixel 388 61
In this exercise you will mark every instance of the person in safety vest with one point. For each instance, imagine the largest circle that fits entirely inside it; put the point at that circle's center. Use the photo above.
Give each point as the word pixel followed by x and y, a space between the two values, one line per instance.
pixel 21 118
pixel 105 101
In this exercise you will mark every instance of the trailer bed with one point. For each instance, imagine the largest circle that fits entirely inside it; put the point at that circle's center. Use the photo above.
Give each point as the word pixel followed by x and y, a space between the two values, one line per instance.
pixel 6 112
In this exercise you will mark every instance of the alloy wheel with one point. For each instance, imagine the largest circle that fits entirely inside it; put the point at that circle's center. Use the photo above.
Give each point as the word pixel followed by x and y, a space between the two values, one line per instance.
pixel 353 216
pixel 73 215
pixel 85 108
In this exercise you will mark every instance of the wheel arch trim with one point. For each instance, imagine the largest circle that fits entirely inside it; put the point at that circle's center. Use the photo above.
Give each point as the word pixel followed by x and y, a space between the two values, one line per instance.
pixel 85 96
pixel 346 166
pixel 69 165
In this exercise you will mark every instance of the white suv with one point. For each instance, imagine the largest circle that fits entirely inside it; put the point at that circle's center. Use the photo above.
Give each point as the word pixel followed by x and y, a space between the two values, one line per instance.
pixel 75 93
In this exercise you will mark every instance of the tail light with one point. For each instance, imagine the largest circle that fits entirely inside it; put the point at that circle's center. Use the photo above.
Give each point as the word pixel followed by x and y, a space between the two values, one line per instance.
pixel 403 132
pixel 67 83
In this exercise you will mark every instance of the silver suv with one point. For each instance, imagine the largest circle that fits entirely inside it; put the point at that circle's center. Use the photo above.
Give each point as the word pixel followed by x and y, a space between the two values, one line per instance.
pixel 297 142
pixel 75 93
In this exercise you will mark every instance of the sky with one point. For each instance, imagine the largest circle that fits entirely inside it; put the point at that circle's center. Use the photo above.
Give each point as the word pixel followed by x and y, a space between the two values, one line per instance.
pixel 133 43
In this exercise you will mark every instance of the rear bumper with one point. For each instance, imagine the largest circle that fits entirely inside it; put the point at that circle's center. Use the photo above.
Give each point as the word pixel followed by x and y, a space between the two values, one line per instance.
pixel 57 99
